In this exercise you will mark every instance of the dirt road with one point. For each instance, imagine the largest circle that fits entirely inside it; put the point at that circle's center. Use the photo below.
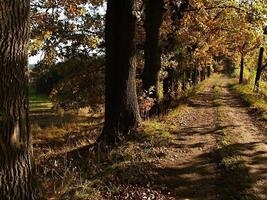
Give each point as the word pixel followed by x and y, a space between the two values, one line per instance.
pixel 192 170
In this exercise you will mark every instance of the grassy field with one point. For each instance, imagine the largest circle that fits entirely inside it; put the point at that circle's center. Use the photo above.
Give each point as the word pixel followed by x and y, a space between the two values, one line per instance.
pixel 58 131
pixel 39 102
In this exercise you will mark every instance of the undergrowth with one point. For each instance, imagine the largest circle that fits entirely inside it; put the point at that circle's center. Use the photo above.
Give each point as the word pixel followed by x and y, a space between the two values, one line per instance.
pixel 130 168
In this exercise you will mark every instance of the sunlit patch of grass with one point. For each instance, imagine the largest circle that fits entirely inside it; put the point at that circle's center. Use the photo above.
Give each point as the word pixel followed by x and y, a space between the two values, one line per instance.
pixel 175 113
pixel 255 100
pixel 157 130
pixel 47 132
pixel 39 102
pixel 166 134
pixel 210 81
pixel 217 93
pixel 233 162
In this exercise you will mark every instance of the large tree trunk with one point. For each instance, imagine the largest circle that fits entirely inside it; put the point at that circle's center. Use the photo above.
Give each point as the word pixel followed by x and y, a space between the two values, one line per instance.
pixel 121 106
pixel 16 165
pixel 241 76
pixel 259 70
pixel 154 16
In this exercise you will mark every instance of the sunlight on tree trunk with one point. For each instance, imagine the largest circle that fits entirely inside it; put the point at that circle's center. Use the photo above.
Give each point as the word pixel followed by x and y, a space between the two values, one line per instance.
pixel 259 70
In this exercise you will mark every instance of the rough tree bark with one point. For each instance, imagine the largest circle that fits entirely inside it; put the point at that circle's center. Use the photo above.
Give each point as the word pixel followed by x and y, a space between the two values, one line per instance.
pixel 16 165
pixel 121 106
pixel 259 70
pixel 154 10
pixel 241 76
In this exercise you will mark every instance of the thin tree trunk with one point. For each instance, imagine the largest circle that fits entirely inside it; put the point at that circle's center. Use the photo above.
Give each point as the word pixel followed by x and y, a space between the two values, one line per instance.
pixel 16 165
pixel 176 88
pixel 184 84
pixel 208 71
pixel 154 16
pixel 203 74
pixel 259 70
pixel 241 76
pixel 168 85
pixel 188 77
pixel 199 76
pixel 121 106
pixel 194 76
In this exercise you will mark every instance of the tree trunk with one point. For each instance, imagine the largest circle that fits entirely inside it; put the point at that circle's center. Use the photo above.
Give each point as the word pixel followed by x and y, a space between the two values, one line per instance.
pixel 199 76
pixel 259 70
pixel 208 71
pixel 176 88
pixel 203 74
pixel 16 165
pixel 154 17
pixel 194 76
pixel 184 84
pixel 168 85
pixel 241 77
pixel 188 77
pixel 121 106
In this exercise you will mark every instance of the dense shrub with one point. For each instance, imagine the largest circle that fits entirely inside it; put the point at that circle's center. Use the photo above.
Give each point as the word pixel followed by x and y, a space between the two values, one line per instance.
pixel 77 82
pixel 46 81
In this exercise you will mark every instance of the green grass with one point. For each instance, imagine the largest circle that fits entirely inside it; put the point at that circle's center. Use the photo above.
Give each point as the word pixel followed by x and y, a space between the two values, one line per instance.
pixel 39 102
pixel 255 100
pixel 201 86
pixel 217 92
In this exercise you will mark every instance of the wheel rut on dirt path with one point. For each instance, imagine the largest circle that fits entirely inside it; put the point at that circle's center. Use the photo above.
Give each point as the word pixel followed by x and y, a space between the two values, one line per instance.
pixel 250 143
pixel 189 170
